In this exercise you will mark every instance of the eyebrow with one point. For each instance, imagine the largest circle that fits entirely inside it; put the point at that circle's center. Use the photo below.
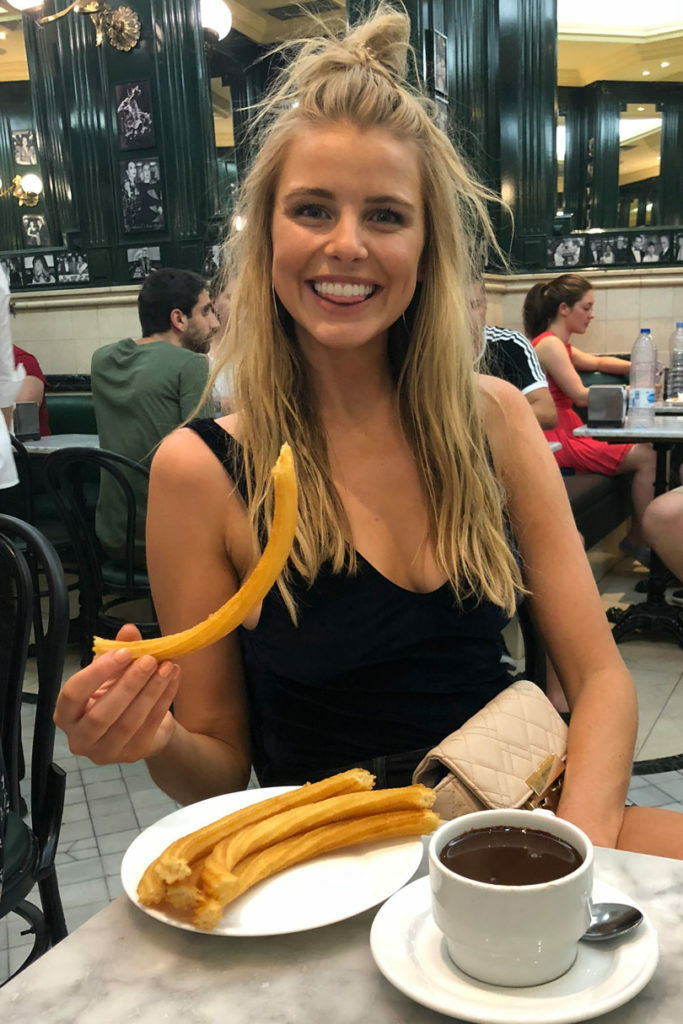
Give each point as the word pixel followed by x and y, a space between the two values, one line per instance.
pixel 323 193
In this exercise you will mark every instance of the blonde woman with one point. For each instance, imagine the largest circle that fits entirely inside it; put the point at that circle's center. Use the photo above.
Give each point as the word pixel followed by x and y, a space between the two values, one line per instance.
pixel 351 333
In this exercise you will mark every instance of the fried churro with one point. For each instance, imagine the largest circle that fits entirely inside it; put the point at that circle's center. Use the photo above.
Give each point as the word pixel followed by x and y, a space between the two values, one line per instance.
pixel 253 590
pixel 175 862
pixel 305 845
pixel 218 879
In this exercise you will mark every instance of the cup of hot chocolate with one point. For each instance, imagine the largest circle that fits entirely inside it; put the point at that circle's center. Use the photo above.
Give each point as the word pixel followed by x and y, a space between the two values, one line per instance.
pixel 511 892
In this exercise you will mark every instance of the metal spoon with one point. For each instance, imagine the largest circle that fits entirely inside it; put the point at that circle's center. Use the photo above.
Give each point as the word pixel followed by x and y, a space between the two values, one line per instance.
pixel 609 920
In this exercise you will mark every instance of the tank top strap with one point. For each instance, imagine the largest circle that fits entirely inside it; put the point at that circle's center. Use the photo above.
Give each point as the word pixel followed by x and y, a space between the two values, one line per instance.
pixel 227 450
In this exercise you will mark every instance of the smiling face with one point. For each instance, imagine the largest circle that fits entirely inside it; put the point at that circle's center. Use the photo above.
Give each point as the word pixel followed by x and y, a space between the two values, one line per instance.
pixel 579 316
pixel 347 234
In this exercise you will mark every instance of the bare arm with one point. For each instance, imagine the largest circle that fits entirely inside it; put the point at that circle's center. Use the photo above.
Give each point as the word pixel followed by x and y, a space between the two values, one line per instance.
pixel 116 710
pixel 194 518
pixel 32 390
pixel 567 609
pixel 586 362
pixel 556 363
pixel 8 412
pixel 543 407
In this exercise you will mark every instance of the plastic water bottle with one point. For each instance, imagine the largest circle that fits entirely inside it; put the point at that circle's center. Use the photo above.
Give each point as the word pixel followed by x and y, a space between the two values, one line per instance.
pixel 675 376
pixel 641 398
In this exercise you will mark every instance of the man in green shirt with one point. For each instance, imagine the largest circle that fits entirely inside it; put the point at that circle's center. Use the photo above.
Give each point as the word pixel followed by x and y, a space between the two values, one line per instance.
pixel 142 390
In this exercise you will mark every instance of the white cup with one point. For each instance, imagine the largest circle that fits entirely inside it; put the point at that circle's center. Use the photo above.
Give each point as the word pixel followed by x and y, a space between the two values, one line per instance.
pixel 512 935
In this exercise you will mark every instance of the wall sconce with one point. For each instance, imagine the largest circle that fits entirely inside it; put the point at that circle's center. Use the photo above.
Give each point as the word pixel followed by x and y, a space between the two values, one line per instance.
pixel 26 190
pixel 121 24
pixel 216 19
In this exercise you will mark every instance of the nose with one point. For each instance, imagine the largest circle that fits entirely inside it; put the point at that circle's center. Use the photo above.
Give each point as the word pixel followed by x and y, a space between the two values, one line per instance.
pixel 346 241
pixel 214 322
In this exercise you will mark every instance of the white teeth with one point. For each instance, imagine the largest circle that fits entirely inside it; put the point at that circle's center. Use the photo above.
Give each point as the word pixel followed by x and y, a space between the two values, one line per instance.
pixel 346 291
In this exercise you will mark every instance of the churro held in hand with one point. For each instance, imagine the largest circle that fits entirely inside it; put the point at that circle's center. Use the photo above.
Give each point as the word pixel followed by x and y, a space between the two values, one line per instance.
pixel 253 590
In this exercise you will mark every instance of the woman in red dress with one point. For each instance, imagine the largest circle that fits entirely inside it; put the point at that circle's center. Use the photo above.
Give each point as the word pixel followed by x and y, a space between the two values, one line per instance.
pixel 553 311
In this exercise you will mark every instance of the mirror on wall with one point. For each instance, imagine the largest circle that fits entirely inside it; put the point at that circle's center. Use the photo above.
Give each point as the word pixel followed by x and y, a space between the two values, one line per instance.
pixel 634 52
pixel 640 141
pixel 560 149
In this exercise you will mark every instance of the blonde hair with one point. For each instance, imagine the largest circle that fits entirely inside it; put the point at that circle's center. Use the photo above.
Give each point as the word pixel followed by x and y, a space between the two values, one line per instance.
pixel 359 79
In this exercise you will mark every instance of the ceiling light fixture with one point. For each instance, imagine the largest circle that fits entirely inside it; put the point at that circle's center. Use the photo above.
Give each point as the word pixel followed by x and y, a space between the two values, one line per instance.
pixel 646 73
pixel 665 64
pixel 216 19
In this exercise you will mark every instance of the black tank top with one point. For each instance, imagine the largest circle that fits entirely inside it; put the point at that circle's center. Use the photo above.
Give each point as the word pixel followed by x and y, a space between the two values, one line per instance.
pixel 370 669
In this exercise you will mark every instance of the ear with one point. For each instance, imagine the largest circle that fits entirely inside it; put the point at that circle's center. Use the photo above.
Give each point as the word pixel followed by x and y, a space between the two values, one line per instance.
pixel 177 319
pixel 563 309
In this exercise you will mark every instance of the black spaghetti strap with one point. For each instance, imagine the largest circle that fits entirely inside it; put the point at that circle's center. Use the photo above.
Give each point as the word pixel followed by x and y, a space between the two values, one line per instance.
pixel 227 450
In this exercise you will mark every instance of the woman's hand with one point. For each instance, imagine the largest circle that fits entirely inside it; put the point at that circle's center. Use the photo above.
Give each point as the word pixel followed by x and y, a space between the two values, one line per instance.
pixel 116 709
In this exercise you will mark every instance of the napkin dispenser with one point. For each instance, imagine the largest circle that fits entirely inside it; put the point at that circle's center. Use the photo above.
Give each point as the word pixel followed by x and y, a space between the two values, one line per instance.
pixel 606 405
pixel 26 421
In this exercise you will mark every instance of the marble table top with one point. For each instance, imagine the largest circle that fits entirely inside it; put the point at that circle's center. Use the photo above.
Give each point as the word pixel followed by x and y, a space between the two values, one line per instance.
pixel 125 966
pixel 55 442
pixel 665 428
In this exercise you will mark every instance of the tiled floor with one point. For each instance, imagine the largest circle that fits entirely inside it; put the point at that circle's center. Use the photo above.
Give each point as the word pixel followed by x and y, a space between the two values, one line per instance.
pixel 107 807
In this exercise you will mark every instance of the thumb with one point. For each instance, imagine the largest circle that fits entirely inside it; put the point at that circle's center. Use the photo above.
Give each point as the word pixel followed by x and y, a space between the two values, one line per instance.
pixel 129 632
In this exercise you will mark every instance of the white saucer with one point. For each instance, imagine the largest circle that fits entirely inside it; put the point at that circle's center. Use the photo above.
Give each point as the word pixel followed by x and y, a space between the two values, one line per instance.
pixel 411 953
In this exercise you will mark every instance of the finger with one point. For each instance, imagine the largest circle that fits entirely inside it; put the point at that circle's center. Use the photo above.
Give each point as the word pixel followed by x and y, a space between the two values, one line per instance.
pixel 129 632
pixel 130 736
pixel 104 712
pixel 147 740
pixel 73 698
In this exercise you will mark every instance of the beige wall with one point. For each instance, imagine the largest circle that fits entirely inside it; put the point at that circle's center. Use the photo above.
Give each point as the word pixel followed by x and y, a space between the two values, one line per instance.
pixel 63 328
pixel 625 301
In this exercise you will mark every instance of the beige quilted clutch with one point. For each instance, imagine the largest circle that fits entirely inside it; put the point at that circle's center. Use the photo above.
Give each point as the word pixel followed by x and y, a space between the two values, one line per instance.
pixel 510 754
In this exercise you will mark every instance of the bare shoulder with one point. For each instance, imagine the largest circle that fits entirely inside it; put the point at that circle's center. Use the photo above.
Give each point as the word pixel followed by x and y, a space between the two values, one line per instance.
pixel 183 459
pixel 551 343
pixel 500 401
pixel 511 426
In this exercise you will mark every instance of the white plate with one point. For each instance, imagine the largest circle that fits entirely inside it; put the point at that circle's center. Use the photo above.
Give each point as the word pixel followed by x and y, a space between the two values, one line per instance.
pixel 411 953
pixel 318 892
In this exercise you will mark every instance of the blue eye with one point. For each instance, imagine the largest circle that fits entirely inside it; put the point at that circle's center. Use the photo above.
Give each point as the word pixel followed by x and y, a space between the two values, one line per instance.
pixel 309 211
pixel 386 215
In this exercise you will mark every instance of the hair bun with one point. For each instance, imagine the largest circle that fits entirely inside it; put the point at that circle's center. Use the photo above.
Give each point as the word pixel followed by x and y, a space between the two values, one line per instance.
pixel 383 40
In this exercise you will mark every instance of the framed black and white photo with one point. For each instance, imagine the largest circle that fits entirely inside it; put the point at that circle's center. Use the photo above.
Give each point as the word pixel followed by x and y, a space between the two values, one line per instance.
pixel 442 119
pixel 678 247
pixel 142 203
pixel 39 270
pixel 14 270
pixel 142 261
pixel 24 147
pixel 212 261
pixel 568 251
pixel 603 250
pixel 622 249
pixel 665 246
pixel 72 268
pixel 437 62
pixel 134 115
pixel 35 231
pixel 647 247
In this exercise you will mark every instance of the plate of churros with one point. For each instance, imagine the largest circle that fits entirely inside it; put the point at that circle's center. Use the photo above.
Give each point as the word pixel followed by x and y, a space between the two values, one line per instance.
pixel 279 860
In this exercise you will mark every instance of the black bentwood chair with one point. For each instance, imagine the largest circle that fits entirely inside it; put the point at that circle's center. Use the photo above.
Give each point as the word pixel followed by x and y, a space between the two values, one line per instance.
pixel 29 850
pixel 112 591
